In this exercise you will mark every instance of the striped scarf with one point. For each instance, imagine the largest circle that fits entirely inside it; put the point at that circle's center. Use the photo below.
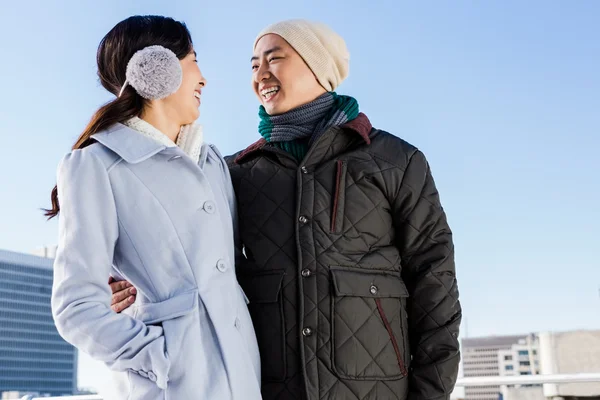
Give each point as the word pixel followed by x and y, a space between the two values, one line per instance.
pixel 296 130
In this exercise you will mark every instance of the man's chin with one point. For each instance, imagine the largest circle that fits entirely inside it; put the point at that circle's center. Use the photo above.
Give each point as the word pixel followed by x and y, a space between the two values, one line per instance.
pixel 274 109
pixel 270 110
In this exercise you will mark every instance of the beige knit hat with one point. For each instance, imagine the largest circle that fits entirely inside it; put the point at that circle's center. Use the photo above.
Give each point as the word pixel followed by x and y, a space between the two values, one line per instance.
pixel 323 50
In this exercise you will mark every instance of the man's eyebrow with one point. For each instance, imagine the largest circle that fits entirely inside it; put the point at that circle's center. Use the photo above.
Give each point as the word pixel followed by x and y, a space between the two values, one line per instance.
pixel 267 52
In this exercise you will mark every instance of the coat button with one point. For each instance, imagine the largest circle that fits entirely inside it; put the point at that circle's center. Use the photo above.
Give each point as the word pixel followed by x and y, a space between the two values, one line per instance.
pixel 374 289
pixel 307 332
pixel 304 170
pixel 143 373
pixel 238 323
pixel 303 219
pixel 209 207
pixel 222 265
pixel 306 273
pixel 151 376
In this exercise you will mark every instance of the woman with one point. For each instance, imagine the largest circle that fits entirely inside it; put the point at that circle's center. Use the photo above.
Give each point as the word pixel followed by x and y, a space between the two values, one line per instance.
pixel 162 216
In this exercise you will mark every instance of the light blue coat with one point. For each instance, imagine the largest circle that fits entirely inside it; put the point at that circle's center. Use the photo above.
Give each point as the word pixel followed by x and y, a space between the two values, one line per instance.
pixel 133 207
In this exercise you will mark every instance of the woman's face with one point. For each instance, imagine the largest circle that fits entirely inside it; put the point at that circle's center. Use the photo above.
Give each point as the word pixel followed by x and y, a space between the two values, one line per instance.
pixel 184 104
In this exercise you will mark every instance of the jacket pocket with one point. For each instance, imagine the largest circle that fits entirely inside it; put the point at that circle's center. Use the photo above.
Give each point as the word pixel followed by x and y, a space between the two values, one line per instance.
pixel 179 318
pixel 369 324
pixel 266 309
pixel 339 198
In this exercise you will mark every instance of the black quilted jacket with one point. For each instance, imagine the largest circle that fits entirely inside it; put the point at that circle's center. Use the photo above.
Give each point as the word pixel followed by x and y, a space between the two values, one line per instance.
pixel 349 268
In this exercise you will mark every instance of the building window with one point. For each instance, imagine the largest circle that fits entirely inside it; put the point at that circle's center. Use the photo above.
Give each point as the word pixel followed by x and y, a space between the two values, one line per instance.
pixel 507 358
pixel 525 363
pixel 509 368
pixel 523 352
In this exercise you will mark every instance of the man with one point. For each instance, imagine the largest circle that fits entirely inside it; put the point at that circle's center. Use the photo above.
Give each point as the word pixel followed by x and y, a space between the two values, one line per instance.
pixel 348 259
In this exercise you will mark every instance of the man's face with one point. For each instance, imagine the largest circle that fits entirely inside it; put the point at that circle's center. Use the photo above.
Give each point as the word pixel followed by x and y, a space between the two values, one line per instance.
pixel 281 79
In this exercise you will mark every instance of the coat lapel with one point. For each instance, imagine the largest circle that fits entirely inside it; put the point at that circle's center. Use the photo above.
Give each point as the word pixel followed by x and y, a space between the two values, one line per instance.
pixel 128 144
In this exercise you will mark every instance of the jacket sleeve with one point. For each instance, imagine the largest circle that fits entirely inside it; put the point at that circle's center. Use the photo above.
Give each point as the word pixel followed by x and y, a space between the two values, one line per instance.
pixel 88 231
pixel 434 312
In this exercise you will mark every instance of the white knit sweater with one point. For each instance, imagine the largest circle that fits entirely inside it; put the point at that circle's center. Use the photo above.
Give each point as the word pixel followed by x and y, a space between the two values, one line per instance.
pixel 189 138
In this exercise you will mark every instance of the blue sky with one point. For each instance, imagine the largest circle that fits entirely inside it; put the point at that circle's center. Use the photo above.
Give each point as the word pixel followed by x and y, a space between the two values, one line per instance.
pixel 502 96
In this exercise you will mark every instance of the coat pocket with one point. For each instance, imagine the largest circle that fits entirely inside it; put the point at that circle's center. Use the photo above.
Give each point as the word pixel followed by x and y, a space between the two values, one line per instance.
pixel 266 309
pixel 339 198
pixel 179 319
pixel 369 324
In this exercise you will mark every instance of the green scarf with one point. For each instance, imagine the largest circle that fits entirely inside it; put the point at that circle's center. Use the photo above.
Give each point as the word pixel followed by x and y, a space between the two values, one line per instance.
pixel 296 130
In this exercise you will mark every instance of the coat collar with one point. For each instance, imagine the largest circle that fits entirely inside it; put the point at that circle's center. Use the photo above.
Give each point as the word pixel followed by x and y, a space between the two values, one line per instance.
pixel 130 145
pixel 360 126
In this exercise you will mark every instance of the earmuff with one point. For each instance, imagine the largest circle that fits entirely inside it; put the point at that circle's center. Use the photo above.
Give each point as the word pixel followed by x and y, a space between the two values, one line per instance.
pixel 154 72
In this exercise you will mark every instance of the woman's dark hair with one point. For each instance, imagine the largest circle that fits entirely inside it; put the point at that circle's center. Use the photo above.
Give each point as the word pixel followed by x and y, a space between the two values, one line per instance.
pixel 114 53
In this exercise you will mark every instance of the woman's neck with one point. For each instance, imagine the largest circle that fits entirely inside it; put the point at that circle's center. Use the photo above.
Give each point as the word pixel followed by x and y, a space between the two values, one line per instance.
pixel 162 121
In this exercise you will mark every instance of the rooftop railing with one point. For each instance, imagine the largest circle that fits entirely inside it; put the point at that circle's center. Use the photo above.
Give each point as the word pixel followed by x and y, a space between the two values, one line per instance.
pixel 462 382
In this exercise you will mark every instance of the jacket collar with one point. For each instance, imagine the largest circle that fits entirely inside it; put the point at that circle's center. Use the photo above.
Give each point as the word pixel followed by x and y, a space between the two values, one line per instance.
pixel 128 144
pixel 361 126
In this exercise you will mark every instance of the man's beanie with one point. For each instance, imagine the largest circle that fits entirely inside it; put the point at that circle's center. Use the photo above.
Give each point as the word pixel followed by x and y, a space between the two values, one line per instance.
pixel 323 50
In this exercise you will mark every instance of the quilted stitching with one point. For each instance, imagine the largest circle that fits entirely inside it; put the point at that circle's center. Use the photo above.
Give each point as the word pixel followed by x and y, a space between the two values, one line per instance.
pixel 361 338
pixel 391 220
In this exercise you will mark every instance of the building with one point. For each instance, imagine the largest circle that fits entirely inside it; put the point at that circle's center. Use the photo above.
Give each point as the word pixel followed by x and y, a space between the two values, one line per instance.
pixel 545 353
pixel 46 251
pixel 33 357
pixel 573 352
pixel 497 356
pixel 521 359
